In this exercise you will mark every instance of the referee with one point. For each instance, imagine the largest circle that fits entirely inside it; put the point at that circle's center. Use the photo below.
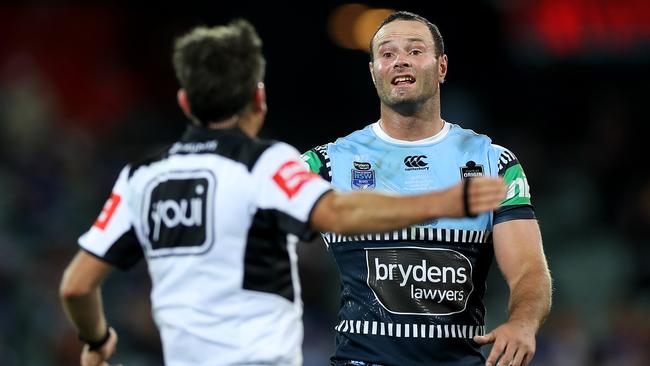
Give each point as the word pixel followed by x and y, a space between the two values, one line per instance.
pixel 217 216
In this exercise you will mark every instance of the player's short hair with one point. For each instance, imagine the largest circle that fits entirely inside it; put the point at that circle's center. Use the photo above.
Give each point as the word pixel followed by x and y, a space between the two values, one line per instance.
pixel 405 15
pixel 220 68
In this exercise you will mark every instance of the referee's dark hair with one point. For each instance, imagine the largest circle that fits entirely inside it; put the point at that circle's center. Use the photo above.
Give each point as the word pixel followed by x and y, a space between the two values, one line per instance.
pixel 219 68
pixel 405 15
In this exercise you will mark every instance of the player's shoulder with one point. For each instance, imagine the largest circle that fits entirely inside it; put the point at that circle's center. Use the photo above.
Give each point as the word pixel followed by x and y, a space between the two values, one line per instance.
pixel 500 149
pixel 359 136
pixel 318 157
pixel 505 158
pixel 456 129
pixel 505 155
pixel 355 136
pixel 344 142
pixel 349 144
pixel 319 150
pixel 468 137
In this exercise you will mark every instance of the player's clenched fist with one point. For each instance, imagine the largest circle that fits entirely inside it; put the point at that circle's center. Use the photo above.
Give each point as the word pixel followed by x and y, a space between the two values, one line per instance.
pixel 483 194
pixel 475 195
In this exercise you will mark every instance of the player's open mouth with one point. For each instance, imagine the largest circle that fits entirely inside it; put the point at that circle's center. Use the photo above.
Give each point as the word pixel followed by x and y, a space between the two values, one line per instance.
pixel 403 79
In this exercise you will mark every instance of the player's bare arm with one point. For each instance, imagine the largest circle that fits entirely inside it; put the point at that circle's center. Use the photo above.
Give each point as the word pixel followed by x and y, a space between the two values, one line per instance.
pixel 360 212
pixel 520 256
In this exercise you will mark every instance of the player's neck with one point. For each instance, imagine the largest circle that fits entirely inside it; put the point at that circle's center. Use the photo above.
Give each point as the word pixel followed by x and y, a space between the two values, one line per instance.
pixel 422 124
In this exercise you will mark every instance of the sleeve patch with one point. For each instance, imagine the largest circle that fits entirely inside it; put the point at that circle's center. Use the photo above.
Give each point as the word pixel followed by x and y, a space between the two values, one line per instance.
pixel 312 160
pixel 107 212
pixel 518 188
pixel 291 176
pixel 319 162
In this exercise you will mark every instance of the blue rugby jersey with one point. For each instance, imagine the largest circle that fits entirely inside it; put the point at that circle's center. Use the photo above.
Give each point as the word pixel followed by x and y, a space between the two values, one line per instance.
pixel 414 296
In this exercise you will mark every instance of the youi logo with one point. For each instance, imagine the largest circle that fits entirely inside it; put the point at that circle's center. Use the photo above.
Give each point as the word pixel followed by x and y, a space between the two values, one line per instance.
pixel 171 213
pixel 178 218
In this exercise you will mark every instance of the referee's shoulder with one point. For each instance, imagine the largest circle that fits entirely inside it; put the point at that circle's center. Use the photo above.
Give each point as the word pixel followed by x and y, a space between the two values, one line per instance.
pixel 151 156
pixel 251 151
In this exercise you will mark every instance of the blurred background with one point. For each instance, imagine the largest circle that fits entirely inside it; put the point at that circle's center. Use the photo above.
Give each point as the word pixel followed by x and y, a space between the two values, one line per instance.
pixel 562 83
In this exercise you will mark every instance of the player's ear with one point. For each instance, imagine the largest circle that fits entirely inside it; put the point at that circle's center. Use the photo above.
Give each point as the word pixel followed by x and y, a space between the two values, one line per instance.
pixel 442 68
pixel 184 102
pixel 372 73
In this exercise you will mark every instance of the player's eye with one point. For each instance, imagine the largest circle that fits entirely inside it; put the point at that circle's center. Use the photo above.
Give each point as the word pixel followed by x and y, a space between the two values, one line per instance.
pixel 416 52
pixel 387 54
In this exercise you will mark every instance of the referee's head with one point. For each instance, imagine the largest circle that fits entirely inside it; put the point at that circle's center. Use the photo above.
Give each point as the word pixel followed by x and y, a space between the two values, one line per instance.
pixel 220 70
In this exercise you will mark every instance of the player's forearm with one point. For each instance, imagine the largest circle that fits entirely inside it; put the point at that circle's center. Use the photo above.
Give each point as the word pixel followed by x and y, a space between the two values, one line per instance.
pixel 362 212
pixel 86 312
pixel 530 298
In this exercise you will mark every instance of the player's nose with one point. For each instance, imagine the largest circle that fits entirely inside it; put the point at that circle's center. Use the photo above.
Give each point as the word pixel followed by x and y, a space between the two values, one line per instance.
pixel 401 61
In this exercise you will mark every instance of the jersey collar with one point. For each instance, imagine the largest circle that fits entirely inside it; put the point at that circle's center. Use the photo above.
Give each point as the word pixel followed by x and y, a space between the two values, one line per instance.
pixel 196 133
pixel 376 128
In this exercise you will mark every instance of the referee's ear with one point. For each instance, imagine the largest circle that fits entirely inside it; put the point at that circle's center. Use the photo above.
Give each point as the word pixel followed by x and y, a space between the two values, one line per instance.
pixel 259 99
pixel 184 103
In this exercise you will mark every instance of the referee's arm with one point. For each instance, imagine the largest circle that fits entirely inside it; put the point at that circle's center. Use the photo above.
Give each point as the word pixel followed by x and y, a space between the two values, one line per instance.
pixel 80 293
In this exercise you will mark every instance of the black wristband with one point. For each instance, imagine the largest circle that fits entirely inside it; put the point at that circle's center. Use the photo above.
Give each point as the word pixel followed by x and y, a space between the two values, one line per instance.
pixel 95 345
pixel 465 198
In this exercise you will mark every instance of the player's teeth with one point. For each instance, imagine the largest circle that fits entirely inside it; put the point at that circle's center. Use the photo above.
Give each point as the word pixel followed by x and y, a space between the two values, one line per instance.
pixel 402 78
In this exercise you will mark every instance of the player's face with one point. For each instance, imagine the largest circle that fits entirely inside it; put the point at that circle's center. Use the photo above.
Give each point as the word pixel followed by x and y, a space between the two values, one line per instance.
pixel 405 67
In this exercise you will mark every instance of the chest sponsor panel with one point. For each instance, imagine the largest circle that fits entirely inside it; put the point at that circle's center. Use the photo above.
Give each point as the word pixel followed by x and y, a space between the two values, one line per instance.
pixel 419 281
pixel 177 214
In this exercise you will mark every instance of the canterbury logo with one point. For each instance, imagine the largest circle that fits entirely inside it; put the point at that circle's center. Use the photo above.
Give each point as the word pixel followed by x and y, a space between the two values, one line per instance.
pixel 415 161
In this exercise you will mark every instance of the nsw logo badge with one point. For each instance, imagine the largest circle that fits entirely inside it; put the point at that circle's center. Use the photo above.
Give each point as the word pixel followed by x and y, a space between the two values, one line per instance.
pixel 363 177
